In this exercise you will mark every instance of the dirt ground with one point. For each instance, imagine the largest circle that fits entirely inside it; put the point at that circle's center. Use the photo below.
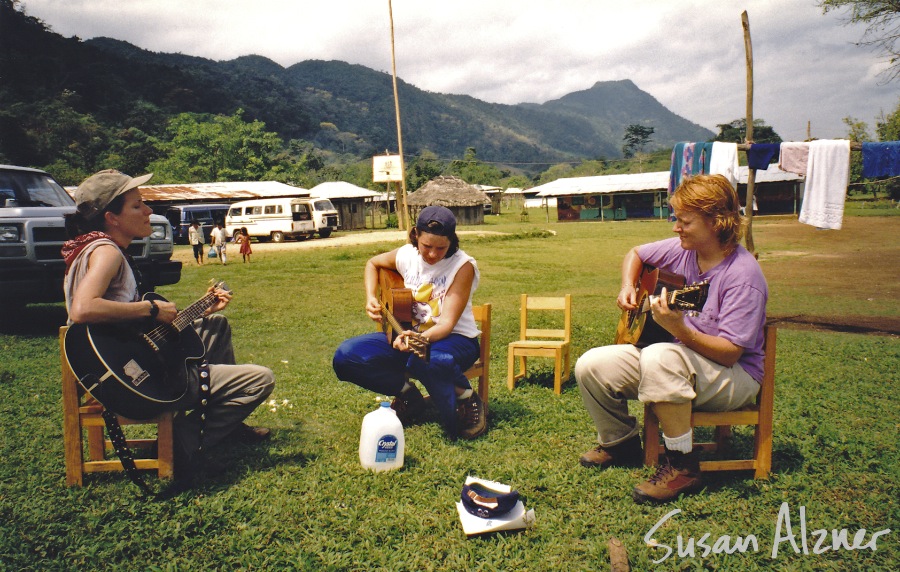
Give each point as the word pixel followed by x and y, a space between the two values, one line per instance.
pixel 861 260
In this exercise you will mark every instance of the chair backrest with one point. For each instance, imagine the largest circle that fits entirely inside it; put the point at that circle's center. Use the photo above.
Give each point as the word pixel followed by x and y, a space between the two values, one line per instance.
pixel 549 304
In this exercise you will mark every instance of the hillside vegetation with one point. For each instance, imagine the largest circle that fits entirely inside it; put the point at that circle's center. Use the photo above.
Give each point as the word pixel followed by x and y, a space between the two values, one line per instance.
pixel 74 106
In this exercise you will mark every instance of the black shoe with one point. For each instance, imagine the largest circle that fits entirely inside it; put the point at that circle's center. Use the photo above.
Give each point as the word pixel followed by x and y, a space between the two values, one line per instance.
pixel 471 420
pixel 250 435
pixel 409 405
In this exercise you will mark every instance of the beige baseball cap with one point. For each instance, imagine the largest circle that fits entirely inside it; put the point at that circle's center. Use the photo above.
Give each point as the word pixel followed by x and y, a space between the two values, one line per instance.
pixel 96 192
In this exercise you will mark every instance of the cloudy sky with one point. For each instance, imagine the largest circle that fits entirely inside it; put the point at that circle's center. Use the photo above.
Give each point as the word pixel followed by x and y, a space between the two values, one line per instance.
pixel 688 54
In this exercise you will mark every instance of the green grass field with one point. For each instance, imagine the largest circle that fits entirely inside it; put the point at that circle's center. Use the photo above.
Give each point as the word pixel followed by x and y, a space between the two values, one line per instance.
pixel 302 502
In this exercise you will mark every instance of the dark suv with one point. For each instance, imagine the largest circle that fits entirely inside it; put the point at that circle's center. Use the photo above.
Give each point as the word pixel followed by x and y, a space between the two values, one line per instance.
pixel 32 232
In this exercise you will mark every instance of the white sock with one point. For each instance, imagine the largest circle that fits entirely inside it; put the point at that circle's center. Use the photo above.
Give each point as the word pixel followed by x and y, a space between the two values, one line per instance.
pixel 465 394
pixel 682 444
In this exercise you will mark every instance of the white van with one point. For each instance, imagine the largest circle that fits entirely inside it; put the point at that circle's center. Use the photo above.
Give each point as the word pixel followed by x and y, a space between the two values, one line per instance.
pixel 272 218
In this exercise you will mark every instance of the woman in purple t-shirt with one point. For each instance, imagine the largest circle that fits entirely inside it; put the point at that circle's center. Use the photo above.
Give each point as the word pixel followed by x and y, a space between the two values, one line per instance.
pixel 714 362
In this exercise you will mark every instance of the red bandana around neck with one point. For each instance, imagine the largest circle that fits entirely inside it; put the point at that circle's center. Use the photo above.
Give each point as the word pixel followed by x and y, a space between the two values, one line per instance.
pixel 72 248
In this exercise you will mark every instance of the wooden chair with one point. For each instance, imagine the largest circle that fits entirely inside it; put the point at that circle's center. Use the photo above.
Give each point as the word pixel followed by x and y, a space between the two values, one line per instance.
pixel 535 342
pixel 82 413
pixel 760 415
pixel 480 370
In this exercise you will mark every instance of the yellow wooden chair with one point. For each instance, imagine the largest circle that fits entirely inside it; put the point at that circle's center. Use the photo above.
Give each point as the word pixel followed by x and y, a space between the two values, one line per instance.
pixel 536 342
pixel 760 415
pixel 82 413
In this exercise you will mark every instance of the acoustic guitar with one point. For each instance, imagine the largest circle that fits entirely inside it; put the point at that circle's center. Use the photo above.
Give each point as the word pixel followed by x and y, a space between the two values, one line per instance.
pixel 396 314
pixel 138 369
pixel 637 327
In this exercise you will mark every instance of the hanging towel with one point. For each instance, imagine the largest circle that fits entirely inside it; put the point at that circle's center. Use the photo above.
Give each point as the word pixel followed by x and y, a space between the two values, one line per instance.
pixel 827 177
pixel 881 159
pixel 794 157
pixel 760 155
pixel 702 157
pixel 681 164
pixel 725 161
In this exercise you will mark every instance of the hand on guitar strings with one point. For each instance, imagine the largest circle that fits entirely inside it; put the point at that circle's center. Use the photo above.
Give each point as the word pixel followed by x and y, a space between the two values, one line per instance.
pixel 627 299
pixel 224 298
pixel 668 318
pixel 373 308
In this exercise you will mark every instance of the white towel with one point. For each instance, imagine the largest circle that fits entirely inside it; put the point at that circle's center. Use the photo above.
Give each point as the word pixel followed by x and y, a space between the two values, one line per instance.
pixel 724 161
pixel 827 177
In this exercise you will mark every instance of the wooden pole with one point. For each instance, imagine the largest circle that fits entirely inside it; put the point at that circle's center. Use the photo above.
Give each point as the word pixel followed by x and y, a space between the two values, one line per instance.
pixel 403 219
pixel 751 173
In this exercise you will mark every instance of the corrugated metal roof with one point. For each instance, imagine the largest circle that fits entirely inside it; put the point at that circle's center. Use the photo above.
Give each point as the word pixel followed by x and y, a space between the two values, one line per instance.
pixel 602 184
pixel 341 190
pixel 642 182
pixel 227 191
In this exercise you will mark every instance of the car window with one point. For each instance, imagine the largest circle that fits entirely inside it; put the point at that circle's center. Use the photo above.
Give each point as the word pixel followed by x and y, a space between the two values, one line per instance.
pixel 33 189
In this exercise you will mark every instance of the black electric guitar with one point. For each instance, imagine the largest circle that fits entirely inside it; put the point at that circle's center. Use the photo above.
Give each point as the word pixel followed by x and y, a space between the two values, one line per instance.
pixel 637 326
pixel 137 369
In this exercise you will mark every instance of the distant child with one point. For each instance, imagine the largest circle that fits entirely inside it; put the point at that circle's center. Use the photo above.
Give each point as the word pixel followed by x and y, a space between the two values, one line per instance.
pixel 244 240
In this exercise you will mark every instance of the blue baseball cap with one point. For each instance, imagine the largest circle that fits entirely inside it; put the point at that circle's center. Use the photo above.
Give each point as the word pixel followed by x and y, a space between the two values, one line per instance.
pixel 484 502
pixel 436 219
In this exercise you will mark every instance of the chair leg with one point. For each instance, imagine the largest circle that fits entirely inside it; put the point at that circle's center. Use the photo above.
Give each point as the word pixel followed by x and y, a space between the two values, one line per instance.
pixel 557 373
pixel 73 444
pixel 164 446
pixel 723 436
pixel 511 371
pixel 651 437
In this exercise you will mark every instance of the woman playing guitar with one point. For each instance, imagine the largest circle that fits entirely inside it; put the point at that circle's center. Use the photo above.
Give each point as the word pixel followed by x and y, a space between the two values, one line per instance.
pixel 101 287
pixel 441 278
pixel 714 362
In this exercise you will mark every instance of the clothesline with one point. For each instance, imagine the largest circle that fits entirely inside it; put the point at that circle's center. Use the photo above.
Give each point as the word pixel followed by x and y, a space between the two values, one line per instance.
pixel 854 146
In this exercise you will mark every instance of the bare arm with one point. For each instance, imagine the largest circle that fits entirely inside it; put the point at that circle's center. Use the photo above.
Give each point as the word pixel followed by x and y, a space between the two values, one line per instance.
pixel 631 272
pixel 88 304
pixel 388 261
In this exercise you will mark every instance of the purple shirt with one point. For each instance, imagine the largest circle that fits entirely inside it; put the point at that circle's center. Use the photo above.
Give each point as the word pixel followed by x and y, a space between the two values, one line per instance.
pixel 736 306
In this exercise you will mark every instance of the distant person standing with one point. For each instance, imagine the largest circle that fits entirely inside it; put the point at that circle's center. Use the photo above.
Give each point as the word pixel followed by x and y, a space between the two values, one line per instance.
pixel 195 237
pixel 218 238
pixel 244 240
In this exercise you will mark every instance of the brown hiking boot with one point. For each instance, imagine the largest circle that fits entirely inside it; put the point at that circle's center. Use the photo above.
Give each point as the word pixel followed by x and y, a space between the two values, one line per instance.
pixel 471 420
pixel 409 405
pixel 625 454
pixel 679 474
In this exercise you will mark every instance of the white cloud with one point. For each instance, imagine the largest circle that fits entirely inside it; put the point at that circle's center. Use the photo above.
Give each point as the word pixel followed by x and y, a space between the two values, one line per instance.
pixel 687 54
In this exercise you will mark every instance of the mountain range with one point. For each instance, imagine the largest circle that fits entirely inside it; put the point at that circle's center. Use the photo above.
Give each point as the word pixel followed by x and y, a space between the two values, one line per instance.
pixel 344 108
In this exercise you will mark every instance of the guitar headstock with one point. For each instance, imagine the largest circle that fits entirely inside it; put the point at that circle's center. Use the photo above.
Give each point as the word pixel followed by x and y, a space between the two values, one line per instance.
pixel 691 298
pixel 219 285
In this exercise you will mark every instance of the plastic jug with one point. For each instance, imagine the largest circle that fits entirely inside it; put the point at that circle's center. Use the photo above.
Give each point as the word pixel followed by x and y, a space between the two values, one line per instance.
pixel 381 441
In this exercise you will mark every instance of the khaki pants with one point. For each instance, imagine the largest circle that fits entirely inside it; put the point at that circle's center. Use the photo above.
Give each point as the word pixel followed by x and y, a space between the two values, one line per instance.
pixel 660 373
pixel 235 390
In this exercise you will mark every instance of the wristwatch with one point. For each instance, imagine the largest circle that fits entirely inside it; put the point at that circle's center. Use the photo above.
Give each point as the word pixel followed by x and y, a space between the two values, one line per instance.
pixel 154 309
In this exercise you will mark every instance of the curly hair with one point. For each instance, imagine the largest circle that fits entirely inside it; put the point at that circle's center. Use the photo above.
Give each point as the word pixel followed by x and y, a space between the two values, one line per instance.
pixel 713 197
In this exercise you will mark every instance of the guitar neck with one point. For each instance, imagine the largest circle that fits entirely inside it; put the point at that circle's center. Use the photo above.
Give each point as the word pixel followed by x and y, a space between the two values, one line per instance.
pixel 386 314
pixel 194 311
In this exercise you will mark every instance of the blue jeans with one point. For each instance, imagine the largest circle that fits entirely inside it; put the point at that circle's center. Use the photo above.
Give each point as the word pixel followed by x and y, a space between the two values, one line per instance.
pixel 370 362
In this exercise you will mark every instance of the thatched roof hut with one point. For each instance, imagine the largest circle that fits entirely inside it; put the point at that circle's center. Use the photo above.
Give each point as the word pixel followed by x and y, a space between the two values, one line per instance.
pixel 465 200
